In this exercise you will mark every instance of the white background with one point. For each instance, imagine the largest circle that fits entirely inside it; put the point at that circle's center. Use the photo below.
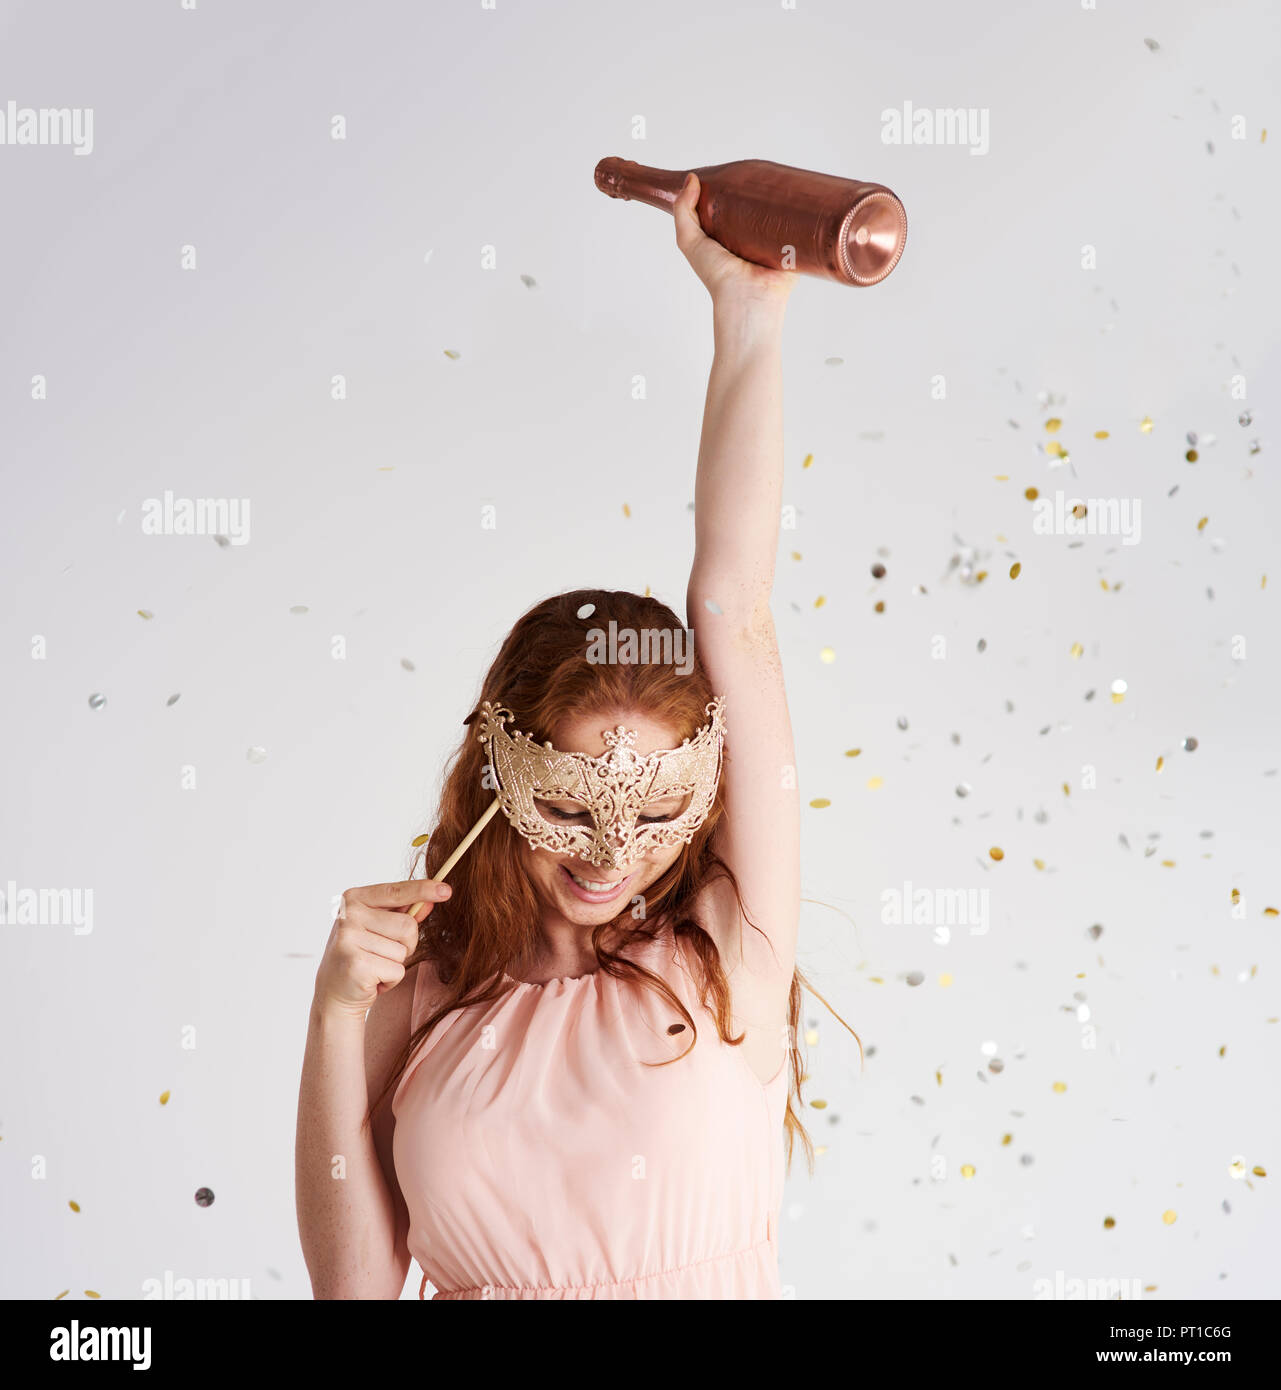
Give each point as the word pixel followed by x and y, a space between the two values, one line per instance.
pixel 468 128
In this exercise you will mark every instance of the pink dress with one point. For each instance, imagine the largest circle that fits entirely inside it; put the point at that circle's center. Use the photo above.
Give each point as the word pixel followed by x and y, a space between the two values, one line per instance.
pixel 539 1158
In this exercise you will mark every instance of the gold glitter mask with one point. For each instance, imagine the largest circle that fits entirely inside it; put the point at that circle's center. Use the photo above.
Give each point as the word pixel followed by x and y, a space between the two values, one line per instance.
pixel 615 787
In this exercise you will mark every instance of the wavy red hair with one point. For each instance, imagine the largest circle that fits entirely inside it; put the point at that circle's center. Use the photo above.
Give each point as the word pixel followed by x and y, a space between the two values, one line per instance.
pixel 491 920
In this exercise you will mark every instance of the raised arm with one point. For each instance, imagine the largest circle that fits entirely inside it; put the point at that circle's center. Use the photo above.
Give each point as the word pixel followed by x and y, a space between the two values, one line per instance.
pixel 737 499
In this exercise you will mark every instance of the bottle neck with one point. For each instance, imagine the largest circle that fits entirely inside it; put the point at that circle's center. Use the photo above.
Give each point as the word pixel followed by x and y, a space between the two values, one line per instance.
pixel 624 178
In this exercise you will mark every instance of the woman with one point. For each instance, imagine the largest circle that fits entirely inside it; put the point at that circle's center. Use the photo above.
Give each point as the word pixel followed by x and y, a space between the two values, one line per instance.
pixel 573 1081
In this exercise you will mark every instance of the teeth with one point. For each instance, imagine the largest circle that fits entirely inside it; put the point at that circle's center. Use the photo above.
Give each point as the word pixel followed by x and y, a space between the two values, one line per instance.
pixel 594 887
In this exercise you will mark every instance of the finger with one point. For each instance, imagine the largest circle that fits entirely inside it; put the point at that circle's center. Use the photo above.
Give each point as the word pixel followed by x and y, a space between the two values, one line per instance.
pixel 384 945
pixel 400 895
pixel 689 231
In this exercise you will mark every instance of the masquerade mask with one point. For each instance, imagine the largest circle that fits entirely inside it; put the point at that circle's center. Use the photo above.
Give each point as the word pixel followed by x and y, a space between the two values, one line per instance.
pixel 615 787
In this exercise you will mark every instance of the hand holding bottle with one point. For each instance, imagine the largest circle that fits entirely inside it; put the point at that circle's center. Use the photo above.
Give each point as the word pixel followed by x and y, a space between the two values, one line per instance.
pixel 724 273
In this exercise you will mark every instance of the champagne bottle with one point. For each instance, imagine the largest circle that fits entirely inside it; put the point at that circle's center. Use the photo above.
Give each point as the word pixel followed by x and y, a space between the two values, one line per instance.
pixel 777 216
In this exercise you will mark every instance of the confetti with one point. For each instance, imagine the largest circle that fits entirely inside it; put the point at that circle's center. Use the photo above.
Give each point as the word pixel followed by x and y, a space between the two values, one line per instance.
pixel 97 701
pixel 1101 434
pixel 1200 526
pixel 299 609
pixel 586 611
pixel 827 655
pixel 833 361
pixel 963 789
pixel 1152 44
pixel 809 459
pixel 878 571
pixel 914 978
pixel 529 282
pixel 1016 569
pixel 1056 450
pixel 819 1104
pixel 997 853
pixel 1146 424
pixel 967 1170
pixel 945 980
pixel 173 700
pixel 1190 744
pixel 146 613
pixel 901 721
pixel 1108 1223
pixel 1160 763
pixel 75 1206
pixel 420 840
pixel 1169 1217
pixel 1245 419
pixel 627 511
pixel 874 784
pixel 820 802
pixel 1191 456
pixel 164 1097
pixel 819 601
pixel 204 1197
pixel 712 606
pixel 852 752
pixel 452 355
pixel 406 664
pixel 256 755
pixel 1060 1087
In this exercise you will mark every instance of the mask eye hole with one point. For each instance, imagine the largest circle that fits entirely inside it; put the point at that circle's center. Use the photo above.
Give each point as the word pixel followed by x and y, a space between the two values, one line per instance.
pixel 562 811
pixel 663 809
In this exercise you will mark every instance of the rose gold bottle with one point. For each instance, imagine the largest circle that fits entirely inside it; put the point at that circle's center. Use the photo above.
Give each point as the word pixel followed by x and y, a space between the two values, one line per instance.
pixel 777 216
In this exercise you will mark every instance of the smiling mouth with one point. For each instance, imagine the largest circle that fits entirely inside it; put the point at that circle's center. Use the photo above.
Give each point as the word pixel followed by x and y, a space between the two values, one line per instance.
pixel 595 889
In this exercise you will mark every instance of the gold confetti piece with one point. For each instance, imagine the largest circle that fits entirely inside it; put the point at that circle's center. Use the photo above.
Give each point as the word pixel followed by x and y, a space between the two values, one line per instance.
pixel 1237 1168
pixel 796 554
pixel 938 1076
pixel 1040 863
pixel 1200 526
pixel 1263 135
pixel 819 601
pixel 1052 425
pixel 1167 863
pixel 627 511
pixel 146 613
pixel 1056 450
pixel 997 853
pixel 820 1150
pixel 1060 1087
pixel 827 655
pixel 980 576
pixel 164 1097
pixel 419 840
pixel 1236 895
pixel 1031 494
pixel 1108 1223
pixel 1067 791
pixel 1078 650
pixel 811 1037
pixel 1146 424
pixel 75 1206
pixel 945 980
pixel 1259 1172
pixel 1269 911
pixel 1160 763
pixel 1223 1051
pixel 1103 584
pixel 1016 569
pixel 63 1294
pixel 1080 510
pixel 1191 456
pixel 809 458
pixel 875 980
pixel 820 802
pixel 874 784
pixel 880 607
pixel 852 752
pixel 452 355
pixel 819 1104
pixel 89 1293
pixel 1006 1139
pixel 1001 477
pixel 1100 434
pixel 1169 1217
pixel 967 1170
pixel 1263 583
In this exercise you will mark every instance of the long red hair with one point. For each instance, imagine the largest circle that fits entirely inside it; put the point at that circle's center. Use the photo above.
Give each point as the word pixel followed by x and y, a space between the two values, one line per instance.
pixel 491 920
